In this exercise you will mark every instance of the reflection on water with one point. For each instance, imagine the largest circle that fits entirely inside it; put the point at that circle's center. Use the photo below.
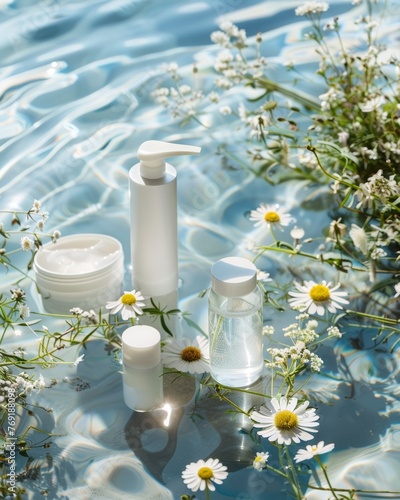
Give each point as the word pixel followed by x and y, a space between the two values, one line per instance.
pixel 74 108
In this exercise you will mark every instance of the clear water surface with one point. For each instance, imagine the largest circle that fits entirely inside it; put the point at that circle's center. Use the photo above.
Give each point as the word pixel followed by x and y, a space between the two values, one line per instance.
pixel 75 80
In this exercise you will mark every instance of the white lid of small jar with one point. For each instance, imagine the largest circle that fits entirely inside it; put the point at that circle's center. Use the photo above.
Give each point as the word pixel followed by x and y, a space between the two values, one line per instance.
pixel 233 277
pixel 141 347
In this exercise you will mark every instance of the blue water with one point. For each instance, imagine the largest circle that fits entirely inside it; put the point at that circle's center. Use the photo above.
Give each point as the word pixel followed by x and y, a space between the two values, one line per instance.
pixel 75 83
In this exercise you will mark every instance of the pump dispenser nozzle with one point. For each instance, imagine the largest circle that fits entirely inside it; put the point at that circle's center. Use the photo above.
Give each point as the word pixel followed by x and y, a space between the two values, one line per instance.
pixel 152 154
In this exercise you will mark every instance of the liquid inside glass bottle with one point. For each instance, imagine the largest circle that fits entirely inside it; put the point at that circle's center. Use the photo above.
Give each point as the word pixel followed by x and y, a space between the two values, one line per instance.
pixel 235 323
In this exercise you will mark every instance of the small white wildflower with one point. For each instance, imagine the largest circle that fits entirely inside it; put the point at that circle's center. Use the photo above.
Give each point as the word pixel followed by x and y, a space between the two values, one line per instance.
pixel 40 383
pixel 213 97
pixel 359 238
pixel 185 89
pixel 333 331
pixel 382 187
pixel 312 324
pixel 260 460
pixel 223 83
pixel 76 310
pixel 269 330
pixel 312 450
pixel 315 362
pixel 36 206
pixel 262 276
pixel 343 137
pixel 79 359
pixel 27 243
pixel 40 225
pixel 312 8
pixel 378 253
pixel 56 235
pixel 297 233
pixel 220 38
pixel 90 316
pixel 17 294
pixel 308 160
pixel 225 110
pixel 397 290
pixel 24 311
pixel 337 231
pixel 372 104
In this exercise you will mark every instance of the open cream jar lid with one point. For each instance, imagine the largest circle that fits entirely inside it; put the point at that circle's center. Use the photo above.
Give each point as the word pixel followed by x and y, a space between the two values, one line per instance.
pixel 82 270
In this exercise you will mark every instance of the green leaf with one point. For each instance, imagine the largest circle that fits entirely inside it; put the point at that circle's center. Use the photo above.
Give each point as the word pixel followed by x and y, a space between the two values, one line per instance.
pixel 194 325
pixel 343 154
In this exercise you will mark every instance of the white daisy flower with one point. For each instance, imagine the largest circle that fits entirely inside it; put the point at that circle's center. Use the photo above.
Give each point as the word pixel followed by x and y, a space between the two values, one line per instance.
pixel 312 450
pixel 129 304
pixel 284 422
pixel 260 460
pixel 272 215
pixel 314 297
pixel 190 356
pixel 397 290
pixel 201 475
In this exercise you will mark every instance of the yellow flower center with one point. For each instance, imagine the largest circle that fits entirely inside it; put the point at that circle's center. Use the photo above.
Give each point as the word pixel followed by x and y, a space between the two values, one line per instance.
pixel 190 354
pixel 319 293
pixel 128 299
pixel 285 420
pixel 271 217
pixel 258 458
pixel 205 473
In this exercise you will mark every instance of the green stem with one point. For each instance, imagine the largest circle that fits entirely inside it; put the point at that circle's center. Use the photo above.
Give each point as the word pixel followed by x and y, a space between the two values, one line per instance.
pixel 326 476
pixel 225 398
pixel 305 99
pixel 291 251
pixel 215 333
pixel 207 492
pixel 382 319
pixel 295 480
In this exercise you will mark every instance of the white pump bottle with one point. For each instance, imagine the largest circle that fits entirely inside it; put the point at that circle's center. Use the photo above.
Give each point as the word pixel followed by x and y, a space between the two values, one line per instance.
pixel 154 231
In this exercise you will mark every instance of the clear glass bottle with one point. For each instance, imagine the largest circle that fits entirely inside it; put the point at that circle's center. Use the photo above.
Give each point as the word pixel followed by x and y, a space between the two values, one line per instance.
pixel 235 322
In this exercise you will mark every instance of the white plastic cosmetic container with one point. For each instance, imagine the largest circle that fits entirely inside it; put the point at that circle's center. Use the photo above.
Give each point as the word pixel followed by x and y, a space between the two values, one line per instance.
pixel 154 233
pixel 82 270
pixel 142 378
pixel 235 322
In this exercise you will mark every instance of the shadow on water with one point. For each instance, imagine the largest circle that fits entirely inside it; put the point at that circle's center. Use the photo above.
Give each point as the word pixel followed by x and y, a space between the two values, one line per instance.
pixel 191 426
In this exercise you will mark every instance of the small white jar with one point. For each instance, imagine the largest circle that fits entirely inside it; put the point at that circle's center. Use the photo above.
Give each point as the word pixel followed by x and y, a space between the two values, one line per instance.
pixel 142 379
pixel 82 270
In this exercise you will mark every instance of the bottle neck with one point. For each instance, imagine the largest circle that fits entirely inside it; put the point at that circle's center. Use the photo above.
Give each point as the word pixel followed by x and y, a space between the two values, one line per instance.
pixel 152 169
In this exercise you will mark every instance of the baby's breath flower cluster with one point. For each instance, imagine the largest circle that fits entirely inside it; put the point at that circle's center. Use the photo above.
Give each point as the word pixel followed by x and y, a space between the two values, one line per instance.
pixel 294 359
